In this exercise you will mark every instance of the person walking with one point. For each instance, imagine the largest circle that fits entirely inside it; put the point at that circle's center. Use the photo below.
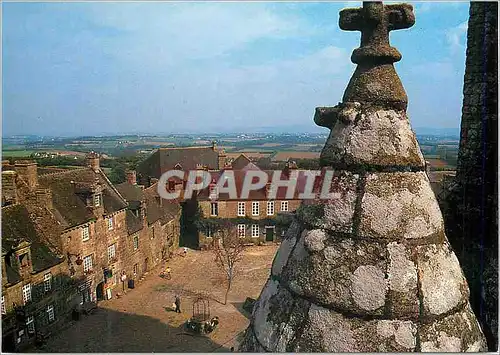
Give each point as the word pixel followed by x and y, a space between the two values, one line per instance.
pixel 177 304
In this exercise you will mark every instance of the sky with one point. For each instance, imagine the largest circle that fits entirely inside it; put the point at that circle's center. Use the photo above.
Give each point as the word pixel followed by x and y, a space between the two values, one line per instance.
pixel 172 67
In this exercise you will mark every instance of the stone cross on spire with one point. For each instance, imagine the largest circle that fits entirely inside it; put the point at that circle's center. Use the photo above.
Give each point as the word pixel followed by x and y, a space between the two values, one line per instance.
pixel 375 81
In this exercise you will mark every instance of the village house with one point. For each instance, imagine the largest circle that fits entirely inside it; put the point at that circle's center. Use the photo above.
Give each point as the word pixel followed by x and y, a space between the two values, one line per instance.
pixel 153 226
pixel 186 158
pixel 38 294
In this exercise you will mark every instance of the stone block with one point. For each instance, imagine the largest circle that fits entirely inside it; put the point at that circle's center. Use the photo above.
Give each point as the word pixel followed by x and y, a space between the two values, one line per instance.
pixel 336 213
pixel 402 293
pixel 375 138
pixel 458 332
pixel 328 331
pixel 277 316
pixel 341 273
pixel 399 206
pixel 442 283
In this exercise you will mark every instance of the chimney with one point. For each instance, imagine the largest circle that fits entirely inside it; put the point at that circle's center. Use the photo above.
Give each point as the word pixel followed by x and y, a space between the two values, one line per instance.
pixel 131 177
pixel 9 188
pixel 44 198
pixel 222 159
pixel 27 170
pixel 93 161
pixel 214 146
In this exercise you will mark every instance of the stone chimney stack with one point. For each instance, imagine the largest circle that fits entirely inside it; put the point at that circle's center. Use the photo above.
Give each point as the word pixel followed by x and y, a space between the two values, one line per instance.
pixel 93 161
pixel 131 177
pixel 9 188
pixel 214 146
pixel 222 159
pixel 27 170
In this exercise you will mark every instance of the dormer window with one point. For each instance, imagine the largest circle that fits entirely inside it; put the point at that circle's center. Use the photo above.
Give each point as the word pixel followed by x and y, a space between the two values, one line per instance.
pixel 97 200
pixel 178 166
pixel 24 260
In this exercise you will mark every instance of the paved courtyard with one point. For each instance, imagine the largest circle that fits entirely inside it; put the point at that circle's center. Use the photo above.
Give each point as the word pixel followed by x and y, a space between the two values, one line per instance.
pixel 142 320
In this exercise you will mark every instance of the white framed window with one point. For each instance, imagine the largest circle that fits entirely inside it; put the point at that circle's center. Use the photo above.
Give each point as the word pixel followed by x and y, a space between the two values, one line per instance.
pixel 47 282
pixel 241 230
pixel 241 208
pixel 97 200
pixel 4 310
pixel 255 208
pixel 270 208
pixel 111 251
pixel 50 312
pixel 26 293
pixel 208 232
pixel 136 269
pixel 284 206
pixel 255 230
pixel 30 324
pixel 214 209
pixel 110 223
pixel 85 233
pixel 136 242
pixel 87 263
pixel 214 193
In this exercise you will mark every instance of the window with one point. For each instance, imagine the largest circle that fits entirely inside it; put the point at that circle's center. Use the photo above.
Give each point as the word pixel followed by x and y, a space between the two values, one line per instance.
pixel 209 232
pixel 50 313
pixel 110 223
pixel 30 324
pixel 136 242
pixel 284 206
pixel 87 263
pixel 111 252
pixel 241 208
pixel 214 209
pixel 213 192
pixel 85 233
pixel 24 260
pixel 27 293
pixel 47 282
pixel 255 230
pixel 97 200
pixel 255 208
pixel 136 269
pixel 270 208
pixel 4 311
pixel 241 230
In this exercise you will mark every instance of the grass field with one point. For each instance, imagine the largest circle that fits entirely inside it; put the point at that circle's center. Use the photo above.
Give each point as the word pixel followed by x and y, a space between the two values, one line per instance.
pixel 17 153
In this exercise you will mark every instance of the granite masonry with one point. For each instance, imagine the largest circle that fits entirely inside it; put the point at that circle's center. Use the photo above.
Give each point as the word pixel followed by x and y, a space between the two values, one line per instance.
pixel 371 270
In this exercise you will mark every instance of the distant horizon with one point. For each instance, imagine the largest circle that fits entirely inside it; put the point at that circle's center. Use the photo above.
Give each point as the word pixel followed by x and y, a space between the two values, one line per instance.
pixel 77 69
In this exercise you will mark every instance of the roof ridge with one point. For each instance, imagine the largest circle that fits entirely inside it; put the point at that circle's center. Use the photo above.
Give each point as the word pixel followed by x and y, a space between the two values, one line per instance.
pixel 190 147
pixel 65 171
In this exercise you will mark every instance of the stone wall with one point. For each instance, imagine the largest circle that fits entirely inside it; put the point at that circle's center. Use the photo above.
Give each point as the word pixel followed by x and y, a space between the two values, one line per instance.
pixel 471 216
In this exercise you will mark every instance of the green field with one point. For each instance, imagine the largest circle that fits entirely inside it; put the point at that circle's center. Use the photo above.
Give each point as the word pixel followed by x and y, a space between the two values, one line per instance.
pixel 17 153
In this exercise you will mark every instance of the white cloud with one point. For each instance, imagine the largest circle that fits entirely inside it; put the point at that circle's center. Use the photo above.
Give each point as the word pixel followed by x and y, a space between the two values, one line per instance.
pixel 455 37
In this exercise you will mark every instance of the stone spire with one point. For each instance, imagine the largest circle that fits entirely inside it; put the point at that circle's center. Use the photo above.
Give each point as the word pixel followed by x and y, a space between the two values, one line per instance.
pixel 371 270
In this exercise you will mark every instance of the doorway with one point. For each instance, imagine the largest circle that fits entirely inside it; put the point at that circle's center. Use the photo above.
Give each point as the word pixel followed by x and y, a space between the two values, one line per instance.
pixel 269 233
pixel 100 291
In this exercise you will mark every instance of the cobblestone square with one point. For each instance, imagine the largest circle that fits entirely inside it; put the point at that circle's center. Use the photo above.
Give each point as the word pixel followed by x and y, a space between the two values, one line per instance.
pixel 142 320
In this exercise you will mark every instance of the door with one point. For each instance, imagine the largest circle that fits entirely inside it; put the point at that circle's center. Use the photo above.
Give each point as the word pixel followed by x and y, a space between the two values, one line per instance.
pixel 100 291
pixel 269 234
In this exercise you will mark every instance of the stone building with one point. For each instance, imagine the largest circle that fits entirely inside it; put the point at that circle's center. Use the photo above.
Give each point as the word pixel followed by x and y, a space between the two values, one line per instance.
pixel 187 158
pixel 371 270
pixel 472 214
pixel 255 218
pixel 153 226
pixel 38 294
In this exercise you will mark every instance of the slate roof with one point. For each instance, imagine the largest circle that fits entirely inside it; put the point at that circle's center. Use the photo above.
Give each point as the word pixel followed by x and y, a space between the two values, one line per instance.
pixel 18 226
pixel 71 206
pixel 134 224
pixel 130 192
pixel 167 210
pixel 164 159
pixel 240 162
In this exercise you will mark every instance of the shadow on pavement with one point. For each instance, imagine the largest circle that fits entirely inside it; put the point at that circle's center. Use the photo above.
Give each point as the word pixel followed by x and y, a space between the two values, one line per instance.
pixel 111 331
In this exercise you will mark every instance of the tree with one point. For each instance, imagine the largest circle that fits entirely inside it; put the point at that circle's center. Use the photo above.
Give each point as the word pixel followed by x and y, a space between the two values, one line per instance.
pixel 228 248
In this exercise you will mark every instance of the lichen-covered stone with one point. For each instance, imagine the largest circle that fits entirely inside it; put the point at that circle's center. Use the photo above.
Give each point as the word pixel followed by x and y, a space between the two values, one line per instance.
pixel 397 206
pixel 336 213
pixel 443 285
pixel 374 138
pixel 328 331
pixel 457 332
pixel 402 283
pixel 286 247
pixel 250 344
pixel 277 316
pixel 344 273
